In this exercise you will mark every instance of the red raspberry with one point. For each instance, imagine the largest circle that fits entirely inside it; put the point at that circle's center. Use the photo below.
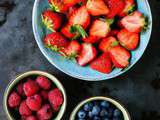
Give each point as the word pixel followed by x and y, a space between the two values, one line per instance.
pixel 55 98
pixel 34 102
pixel 30 88
pixel 24 109
pixel 45 112
pixel 14 100
pixel 43 82
pixel 31 118
pixel 20 89
pixel 44 94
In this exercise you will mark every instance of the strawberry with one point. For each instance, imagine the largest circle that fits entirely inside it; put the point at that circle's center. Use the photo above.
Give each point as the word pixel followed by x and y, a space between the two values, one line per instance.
pixel 97 7
pixel 90 39
pixel 55 41
pixel 51 20
pixel 100 28
pixel 113 32
pixel 129 7
pixel 72 50
pixel 87 54
pixel 115 7
pixel 70 3
pixel 102 64
pixel 134 22
pixel 128 39
pixel 119 56
pixel 106 43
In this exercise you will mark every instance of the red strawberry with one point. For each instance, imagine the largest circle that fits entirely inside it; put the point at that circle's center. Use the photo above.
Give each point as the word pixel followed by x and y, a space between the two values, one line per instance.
pixel 55 41
pixel 128 39
pixel 113 32
pixel 24 109
pixel 14 100
pixel 102 64
pixel 70 11
pixel 115 7
pixel 120 56
pixel 31 118
pixel 129 7
pixel 20 89
pixel 51 20
pixel 106 43
pixel 134 22
pixel 43 82
pixel 70 3
pixel 90 39
pixel 87 54
pixel 100 28
pixel 97 7
pixel 72 50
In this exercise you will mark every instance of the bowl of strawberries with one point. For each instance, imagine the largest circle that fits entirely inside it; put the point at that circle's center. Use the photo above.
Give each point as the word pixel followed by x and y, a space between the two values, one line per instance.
pixel 35 95
pixel 92 39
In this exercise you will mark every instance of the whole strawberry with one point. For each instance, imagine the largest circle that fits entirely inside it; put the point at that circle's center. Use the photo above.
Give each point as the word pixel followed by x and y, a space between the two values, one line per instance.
pixel 51 20
pixel 34 102
pixel 24 109
pixel 43 82
pixel 14 100
pixel 31 118
pixel 30 88
pixel 20 89
pixel 55 98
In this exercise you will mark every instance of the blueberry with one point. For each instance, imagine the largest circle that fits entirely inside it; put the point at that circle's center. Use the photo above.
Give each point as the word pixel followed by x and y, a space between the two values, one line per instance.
pixel 103 113
pixel 96 118
pixel 116 118
pixel 81 114
pixel 90 115
pixel 110 112
pixel 96 110
pixel 88 106
pixel 116 113
pixel 105 104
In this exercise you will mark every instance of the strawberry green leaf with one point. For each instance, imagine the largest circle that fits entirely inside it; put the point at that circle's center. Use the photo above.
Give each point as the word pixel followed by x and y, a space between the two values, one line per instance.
pixel 115 43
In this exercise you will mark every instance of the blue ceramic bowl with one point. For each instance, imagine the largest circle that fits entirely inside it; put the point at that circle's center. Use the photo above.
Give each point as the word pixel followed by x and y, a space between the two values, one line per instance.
pixel 70 67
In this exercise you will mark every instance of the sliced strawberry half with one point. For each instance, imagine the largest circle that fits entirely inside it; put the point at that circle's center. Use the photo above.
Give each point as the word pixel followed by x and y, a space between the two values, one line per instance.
pixel 106 43
pixel 128 39
pixel 134 22
pixel 87 54
pixel 90 39
pixel 102 64
pixel 70 3
pixel 51 20
pixel 97 7
pixel 119 56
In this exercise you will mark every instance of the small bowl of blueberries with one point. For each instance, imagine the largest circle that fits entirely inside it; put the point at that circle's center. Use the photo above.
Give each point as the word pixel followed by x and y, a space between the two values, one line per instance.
pixel 100 108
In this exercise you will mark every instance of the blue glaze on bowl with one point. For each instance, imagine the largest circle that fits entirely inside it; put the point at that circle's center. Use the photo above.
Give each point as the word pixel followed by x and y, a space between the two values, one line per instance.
pixel 70 67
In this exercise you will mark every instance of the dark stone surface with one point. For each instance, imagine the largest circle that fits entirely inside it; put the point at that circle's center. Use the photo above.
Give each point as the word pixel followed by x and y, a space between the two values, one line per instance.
pixel 138 89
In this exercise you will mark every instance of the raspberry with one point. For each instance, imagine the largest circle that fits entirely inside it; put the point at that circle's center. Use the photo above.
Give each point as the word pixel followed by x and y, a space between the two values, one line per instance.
pixel 20 89
pixel 14 100
pixel 31 118
pixel 34 102
pixel 45 112
pixel 55 98
pixel 30 88
pixel 24 109
pixel 43 82
pixel 44 94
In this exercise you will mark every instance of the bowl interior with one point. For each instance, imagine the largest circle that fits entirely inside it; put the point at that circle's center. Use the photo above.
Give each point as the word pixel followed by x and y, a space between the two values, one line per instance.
pixel 70 67
pixel 27 74
pixel 118 105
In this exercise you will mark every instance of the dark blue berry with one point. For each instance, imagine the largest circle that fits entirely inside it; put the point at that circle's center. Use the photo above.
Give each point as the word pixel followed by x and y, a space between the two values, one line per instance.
pixel 88 107
pixel 116 118
pixel 90 115
pixel 117 113
pixel 104 112
pixel 96 110
pixel 110 112
pixel 104 104
pixel 96 118
pixel 81 114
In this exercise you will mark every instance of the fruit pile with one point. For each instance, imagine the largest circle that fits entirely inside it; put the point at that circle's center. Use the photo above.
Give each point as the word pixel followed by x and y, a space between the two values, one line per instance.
pixel 35 99
pixel 101 33
pixel 99 110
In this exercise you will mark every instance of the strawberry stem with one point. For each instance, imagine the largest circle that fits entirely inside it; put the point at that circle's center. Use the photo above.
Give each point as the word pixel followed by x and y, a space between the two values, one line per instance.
pixel 110 21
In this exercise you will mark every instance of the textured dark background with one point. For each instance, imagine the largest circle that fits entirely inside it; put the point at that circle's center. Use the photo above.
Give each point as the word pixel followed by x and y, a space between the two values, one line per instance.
pixel 138 89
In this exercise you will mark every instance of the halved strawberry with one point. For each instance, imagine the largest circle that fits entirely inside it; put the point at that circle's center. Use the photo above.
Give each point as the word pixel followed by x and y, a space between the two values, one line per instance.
pixel 134 22
pixel 70 3
pixel 72 50
pixel 129 7
pixel 102 64
pixel 128 39
pixel 90 39
pixel 55 41
pixel 51 20
pixel 100 28
pixel 119 56
pixel 88 53
pixel 115 7
pixel 97 7
pixel 106 43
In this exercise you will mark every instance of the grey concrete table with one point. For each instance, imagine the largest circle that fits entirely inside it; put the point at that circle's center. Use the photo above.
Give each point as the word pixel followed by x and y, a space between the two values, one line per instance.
pixel 138 89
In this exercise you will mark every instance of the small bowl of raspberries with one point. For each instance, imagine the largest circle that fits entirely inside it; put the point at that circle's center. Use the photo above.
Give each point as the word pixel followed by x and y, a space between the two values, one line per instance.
pixel 100 108
pixel 35 95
